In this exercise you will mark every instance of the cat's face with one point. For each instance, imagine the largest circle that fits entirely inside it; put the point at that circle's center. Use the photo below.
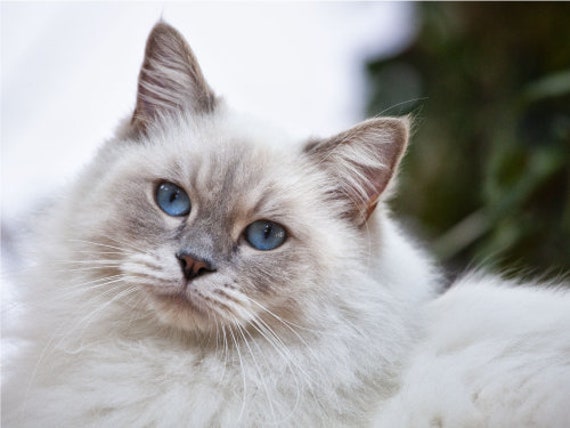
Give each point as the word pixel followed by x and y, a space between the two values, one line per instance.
pixel 207 224
pixel 211 228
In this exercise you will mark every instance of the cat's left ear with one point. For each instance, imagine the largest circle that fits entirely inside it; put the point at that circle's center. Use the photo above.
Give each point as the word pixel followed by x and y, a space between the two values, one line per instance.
pixel 170 79
pixel 362 162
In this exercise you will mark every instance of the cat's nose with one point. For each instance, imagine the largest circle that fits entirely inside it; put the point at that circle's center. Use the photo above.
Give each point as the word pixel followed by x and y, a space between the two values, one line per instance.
pixel 193 266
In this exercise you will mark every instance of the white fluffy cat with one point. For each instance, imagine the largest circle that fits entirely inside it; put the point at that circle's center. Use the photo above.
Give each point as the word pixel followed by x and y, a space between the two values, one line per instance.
pixel 204 271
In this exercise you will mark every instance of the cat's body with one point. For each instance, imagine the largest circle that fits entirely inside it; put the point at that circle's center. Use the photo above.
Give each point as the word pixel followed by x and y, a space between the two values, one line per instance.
pixel 495 354
pixel 202 272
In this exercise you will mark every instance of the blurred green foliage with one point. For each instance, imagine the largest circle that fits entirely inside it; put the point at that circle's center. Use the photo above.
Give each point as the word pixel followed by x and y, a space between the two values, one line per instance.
pixel 488 173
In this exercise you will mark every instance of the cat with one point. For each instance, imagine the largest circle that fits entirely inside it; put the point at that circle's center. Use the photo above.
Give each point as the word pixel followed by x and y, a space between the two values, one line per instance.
pixel 208 271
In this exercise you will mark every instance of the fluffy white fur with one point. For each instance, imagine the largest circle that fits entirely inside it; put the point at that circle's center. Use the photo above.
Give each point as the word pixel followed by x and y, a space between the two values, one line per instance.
pixel 347 331
pixel 494 354
pixel 89 358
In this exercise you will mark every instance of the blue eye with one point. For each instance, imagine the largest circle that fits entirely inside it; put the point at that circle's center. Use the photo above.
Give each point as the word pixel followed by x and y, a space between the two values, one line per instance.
pixel 172 200
pixel 265 235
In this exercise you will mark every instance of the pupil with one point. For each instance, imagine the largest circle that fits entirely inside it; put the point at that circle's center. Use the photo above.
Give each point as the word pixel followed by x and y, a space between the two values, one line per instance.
pixel 267 231
pixel 173 196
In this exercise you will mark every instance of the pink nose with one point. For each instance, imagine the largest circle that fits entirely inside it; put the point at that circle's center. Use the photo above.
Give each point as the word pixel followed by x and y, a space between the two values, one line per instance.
pixel 193 267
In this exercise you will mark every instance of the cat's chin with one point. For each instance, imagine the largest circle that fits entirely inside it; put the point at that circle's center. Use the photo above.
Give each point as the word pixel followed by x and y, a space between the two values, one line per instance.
pixel 183 312
pixel 180 312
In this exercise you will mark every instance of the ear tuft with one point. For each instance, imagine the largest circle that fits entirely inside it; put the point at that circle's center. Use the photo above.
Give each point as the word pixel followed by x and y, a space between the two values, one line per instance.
pixel 170 79
pixel 362 162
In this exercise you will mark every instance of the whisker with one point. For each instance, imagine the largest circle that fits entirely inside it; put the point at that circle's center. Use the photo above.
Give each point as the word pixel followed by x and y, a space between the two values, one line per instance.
pixel 258 369
pixel 97 262
pixel 271 337
pixel 226 351
pixel 100 244
pixel 290 325
pixel 84 322
pixel 50 346
pixel 242 410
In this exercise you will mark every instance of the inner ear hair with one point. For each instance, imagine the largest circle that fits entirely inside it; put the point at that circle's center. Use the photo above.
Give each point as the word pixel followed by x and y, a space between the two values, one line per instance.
pixel 170 79
pixel 362 162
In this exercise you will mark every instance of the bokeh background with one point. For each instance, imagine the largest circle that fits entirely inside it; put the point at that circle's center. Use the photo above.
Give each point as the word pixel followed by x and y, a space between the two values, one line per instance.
pixel 486 181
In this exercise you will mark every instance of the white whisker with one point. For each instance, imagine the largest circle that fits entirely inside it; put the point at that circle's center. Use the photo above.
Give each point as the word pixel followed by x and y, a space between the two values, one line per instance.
pixel 257 366
pixel 241 363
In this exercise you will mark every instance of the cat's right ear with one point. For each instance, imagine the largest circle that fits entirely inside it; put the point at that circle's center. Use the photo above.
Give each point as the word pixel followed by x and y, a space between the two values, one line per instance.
pixel 170 79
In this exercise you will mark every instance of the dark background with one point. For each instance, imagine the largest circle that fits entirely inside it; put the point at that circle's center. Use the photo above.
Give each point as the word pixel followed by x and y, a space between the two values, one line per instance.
pixel 487 177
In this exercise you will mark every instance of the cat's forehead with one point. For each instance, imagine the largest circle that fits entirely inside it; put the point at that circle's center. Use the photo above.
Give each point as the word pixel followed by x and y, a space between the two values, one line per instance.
pixel 224 141
pixel 226 162
pixel 213 157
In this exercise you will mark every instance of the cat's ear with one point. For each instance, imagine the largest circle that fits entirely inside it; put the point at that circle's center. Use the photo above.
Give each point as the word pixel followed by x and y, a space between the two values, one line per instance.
pixel 362 162
pixel 170 79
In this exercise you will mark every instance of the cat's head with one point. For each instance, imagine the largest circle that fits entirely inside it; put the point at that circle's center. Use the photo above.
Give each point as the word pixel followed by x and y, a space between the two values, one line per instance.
pixel 207 220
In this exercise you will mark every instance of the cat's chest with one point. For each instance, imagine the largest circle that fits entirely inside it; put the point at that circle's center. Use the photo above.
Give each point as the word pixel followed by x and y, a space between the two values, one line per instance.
pixel 151 382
